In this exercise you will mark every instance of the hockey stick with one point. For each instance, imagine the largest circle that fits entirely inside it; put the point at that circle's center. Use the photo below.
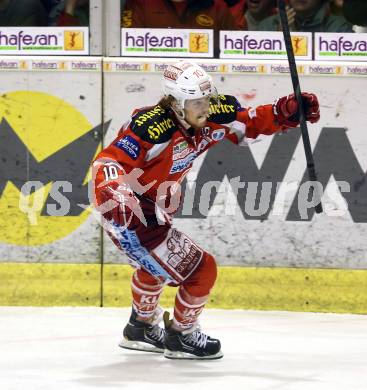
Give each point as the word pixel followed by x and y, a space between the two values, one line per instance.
pixel 297 91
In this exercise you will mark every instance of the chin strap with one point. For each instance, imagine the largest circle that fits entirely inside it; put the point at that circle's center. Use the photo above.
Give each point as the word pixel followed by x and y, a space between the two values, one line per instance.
pixel 180 113
pixel 181 117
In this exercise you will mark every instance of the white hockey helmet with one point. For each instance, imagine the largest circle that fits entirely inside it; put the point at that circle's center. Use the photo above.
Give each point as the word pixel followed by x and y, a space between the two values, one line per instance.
pixel 186 80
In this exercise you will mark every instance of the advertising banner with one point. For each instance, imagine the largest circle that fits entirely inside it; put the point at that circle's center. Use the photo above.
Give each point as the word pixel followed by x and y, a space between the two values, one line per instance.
pixel 46 64
pixel 265 45
pixel 44 41
pixel 164 42
pixel 341 46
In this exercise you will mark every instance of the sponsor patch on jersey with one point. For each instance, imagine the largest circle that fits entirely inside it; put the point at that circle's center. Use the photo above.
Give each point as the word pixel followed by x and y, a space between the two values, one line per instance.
pixel 156 130
pixel 130 243
pixel 183 154
pixel 180 147
pixel 181 150
pixel 183 163
pixel 224 109
pixel 155 112
pixel 153 125
pixel 180 254
pixel 219 134
pixel 203 144
pixel 130 146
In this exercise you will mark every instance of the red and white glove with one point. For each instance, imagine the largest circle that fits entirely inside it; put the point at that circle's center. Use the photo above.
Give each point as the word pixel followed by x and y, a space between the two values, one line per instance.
pixel 118 203
pixel 286 109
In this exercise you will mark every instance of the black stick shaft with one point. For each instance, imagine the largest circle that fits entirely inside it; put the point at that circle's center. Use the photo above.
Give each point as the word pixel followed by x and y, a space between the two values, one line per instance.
pixel 297 91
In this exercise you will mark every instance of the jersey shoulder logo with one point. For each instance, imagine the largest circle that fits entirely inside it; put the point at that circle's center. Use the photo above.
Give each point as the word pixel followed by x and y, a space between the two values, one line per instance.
pixel 153 125
pixel 224 109
pixel 130 146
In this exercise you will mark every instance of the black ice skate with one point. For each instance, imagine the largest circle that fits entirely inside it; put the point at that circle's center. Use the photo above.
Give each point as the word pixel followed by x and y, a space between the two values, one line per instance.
pixel 190 346
pixel 142 336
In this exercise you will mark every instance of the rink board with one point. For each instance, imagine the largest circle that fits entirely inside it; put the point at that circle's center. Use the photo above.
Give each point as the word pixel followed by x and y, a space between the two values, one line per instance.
pixel 284 235
pixel 54 114
pixel 314 290
pixel 57 113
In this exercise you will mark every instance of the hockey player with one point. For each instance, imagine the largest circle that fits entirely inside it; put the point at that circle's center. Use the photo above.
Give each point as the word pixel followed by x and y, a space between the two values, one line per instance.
pixel 136 182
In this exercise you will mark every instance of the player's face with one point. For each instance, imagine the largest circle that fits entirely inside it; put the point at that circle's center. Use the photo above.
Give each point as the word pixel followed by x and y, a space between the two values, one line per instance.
pixel 196 111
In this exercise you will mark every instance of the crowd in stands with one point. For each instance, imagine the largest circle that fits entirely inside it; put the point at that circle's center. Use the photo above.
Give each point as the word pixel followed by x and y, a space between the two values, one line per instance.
pixel 30 13
pixel 253 15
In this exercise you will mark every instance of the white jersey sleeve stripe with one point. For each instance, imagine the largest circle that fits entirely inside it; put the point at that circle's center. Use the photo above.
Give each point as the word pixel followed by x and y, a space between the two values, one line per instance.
pixel 156 150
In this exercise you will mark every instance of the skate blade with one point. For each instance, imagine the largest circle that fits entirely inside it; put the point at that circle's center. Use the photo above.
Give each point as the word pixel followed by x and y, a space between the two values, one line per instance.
pixel 188 356
pixel 139 346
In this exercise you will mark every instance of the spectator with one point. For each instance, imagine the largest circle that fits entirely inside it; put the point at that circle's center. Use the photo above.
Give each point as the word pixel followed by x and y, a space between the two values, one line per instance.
pixel 49 4
pixel 72 13
pixel 53 9
pixel 312 16
pixel 23 13
pixel 237 9
pixel 336 7
pixel 255 15
pixel 315 16
pixel 231 3
pixel 355 11
pixel 210 14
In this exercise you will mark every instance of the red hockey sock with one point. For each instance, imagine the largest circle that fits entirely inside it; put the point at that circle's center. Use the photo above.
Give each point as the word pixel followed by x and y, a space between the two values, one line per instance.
pixel 187 309
pixel 193 294
pixel 146 291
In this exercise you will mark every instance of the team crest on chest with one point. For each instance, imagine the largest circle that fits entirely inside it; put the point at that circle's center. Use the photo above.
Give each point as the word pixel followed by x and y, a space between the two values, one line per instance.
pixel 218 135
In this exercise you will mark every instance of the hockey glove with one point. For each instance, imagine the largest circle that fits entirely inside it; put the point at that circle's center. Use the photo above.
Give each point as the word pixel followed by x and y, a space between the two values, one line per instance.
pixel 286 109
pixel 120 205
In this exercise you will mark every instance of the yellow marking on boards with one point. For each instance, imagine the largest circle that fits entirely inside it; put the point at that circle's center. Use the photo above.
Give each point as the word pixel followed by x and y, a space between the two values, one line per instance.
pixel 291 289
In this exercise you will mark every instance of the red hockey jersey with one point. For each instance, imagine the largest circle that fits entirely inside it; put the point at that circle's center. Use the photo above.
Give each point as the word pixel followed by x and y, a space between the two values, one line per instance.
pixel 164 151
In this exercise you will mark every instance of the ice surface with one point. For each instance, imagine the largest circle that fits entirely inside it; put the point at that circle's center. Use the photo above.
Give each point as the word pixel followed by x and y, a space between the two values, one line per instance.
pixel 76 348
